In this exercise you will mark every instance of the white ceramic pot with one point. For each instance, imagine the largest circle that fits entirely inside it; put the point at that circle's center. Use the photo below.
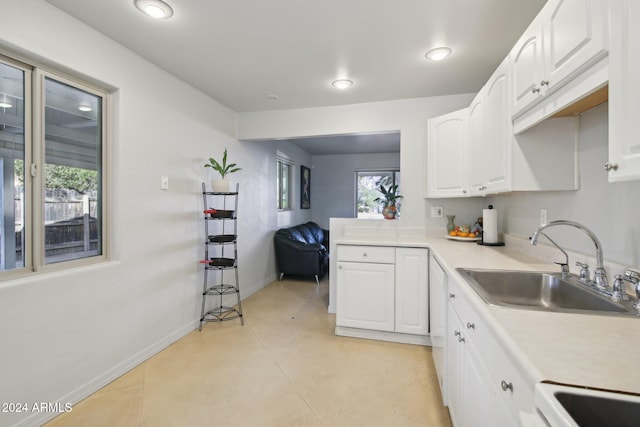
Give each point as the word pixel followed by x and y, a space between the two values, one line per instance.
pixel 221 185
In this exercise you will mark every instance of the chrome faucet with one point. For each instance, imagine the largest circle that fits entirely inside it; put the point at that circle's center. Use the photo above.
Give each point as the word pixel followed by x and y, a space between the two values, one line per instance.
pixel 563 265
pixel 599 274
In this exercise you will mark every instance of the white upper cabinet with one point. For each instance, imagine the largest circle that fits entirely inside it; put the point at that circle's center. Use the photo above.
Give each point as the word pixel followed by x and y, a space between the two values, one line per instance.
pixel 576 36
pixel 448 155
pixel 566 38
pixel 527 67
pixel 624 90
pixel 477 146
pixel 491 136
pixel 498 132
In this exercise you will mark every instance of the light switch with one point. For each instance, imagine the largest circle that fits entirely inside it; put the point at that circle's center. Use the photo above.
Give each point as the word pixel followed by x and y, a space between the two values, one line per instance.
pixel 164 182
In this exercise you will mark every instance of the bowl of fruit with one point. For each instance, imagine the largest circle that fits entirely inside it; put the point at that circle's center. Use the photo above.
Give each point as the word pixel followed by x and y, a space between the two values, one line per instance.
pixel 462 232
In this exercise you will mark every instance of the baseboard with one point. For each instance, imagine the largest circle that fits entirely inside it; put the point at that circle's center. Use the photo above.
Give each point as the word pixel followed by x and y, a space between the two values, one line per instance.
pixel 86 390
pixel 383 336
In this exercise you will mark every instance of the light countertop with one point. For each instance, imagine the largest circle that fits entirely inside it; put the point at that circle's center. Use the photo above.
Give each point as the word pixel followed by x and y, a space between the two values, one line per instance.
pixel 594 351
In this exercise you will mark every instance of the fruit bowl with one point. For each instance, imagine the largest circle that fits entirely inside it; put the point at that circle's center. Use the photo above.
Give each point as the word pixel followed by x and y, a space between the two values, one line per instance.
pixel 463 239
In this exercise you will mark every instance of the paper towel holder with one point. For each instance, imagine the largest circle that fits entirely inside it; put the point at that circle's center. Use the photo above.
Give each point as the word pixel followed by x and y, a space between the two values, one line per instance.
pixel 481 241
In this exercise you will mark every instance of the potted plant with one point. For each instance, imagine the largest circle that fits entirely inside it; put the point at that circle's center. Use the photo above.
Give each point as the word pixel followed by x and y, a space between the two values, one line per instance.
pixel 222 185
pixel 389 199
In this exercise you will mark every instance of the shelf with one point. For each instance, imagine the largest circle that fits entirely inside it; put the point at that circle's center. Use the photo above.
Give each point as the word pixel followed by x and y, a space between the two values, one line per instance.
pixel 220 314
pixel 214 193
pixel 219 263
pixel 221 290
pixel 222 214
pixel 222 238
pixel 220 229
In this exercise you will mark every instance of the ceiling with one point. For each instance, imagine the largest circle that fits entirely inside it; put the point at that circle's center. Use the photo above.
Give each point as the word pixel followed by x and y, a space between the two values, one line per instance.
pixel 241 51
pixel 381 142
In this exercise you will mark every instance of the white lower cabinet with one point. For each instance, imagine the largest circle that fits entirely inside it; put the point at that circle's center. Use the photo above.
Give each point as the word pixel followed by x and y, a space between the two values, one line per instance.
pixel 438 320
pixel 480 392
pixel 382 289
pixel 365 296
pixel 412 291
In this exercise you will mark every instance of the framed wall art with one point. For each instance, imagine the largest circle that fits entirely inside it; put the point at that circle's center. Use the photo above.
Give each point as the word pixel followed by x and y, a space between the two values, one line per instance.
pixel 305 187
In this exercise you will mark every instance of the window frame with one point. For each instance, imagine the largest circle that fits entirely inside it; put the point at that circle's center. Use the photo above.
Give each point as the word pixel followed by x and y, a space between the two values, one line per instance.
pixel 393 172
pixel 281 162
pixel 34 139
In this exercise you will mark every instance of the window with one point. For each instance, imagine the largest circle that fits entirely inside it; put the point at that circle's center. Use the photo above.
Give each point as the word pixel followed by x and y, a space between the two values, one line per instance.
pixel 367 183
pixel 52 158
pixel 283 181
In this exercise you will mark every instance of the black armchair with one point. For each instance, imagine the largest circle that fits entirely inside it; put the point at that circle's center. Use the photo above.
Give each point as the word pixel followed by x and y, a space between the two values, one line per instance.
pixel 302 250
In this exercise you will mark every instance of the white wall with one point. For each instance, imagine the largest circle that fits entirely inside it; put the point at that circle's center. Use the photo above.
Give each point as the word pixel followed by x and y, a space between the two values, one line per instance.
pixel 333 182
pixel 408 116
pixel 66 334
pixel 610 210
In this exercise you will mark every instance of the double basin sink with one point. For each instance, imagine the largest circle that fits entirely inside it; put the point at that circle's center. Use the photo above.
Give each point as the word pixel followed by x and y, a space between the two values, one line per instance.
pixel 542 291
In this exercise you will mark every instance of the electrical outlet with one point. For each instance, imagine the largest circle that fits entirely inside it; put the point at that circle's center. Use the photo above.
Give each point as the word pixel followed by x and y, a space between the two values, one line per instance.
pixel 543 216
pixel 437 211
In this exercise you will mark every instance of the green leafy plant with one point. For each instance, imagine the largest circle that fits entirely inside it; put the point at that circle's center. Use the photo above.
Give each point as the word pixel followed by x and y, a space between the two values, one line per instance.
pixel 223 168
pixel 389 194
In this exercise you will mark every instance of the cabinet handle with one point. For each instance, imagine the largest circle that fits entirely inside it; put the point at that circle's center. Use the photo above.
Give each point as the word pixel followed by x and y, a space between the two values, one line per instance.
pixel 544 83
pixel 460 338
pixel 456 333
pixel 610 166
pixel 471 325
pixel 535 89
pixel 452 296
pixel 506 386
pixel 364 254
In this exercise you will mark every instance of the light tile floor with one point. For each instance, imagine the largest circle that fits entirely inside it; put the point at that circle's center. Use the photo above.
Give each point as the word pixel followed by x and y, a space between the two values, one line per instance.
pixel 284 367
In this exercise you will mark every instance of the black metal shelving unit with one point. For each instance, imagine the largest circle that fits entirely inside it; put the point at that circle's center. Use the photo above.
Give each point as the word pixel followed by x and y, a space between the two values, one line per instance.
pixel 220 256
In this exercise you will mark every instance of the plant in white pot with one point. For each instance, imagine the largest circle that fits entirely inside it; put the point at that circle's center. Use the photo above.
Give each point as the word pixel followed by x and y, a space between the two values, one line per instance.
pixel 222 185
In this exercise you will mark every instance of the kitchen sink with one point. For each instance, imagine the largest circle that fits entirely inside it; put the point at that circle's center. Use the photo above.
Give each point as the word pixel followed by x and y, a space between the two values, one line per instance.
pixel 564 405
pixel 541 291
pixel 599 411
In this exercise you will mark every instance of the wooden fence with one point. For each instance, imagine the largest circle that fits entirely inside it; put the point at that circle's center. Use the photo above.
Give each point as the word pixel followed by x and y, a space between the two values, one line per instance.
pixel 71 229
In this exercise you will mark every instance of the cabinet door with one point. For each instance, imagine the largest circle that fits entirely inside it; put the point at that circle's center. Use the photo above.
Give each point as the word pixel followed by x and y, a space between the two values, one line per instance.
pixel 527 68
pixel 412 291
pixel 477 145
pixel 576 36
pixel 437 320
pixel 475 397
pixel 498 132
pixel 365 296
pixel 454 352
pixel 448 157
pixel 498 413
pixel 624 91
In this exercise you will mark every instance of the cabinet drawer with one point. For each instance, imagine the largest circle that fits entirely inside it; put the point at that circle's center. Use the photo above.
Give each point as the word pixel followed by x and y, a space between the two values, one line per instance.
pixel 375 254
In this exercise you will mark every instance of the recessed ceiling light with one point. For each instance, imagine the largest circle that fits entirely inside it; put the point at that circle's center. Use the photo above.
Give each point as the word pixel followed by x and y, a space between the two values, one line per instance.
pixel 154 8
pixel 342 83
pixel 84 107
pixel 438 53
